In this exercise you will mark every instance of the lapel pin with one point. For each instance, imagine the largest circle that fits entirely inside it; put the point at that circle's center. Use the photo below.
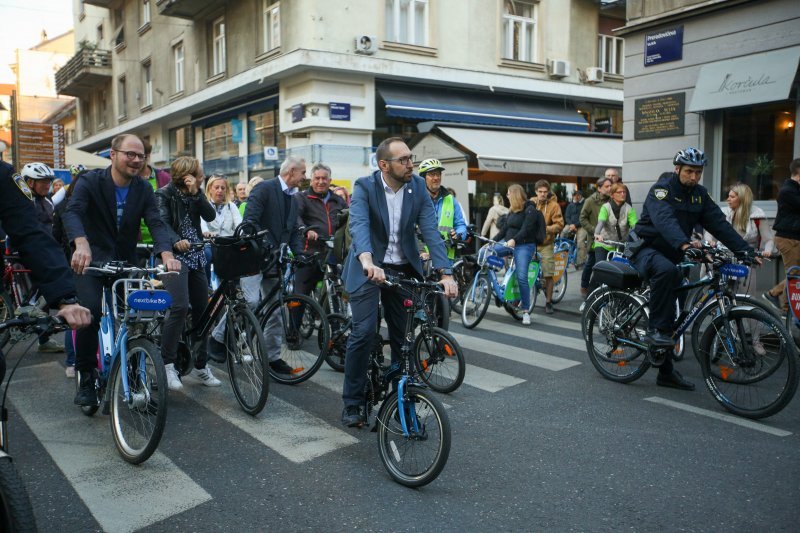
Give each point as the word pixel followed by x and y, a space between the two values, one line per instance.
pixel 408 191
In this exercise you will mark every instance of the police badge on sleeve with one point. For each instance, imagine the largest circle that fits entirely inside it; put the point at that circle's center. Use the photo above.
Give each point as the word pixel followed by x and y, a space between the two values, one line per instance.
pixel 660 193
pixel 19 181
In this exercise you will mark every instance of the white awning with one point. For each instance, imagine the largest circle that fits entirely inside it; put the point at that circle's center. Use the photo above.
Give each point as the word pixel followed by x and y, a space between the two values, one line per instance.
pixel 74 156
pixel 539 153
pixel 753 79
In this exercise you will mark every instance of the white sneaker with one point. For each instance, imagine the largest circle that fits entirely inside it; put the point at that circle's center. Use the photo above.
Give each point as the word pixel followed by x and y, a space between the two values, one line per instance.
pixel 526 319
pixel 173 380
pixel 204 376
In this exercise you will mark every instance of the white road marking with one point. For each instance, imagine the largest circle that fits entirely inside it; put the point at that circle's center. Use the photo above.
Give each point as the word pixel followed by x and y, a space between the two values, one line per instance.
pixel 744 422
pixel 288 430
pixel 120 496
pixel 489 380
pixel 513 353
pixel 538 318
pixel 530 335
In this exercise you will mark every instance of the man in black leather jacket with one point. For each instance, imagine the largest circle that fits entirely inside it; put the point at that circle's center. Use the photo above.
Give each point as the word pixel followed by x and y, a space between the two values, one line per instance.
pixel 787 231
pixel 674 206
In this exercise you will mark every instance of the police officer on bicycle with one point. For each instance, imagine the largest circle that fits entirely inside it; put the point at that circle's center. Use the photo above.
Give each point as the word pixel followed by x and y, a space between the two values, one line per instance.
pixel 449 215
pixel 674 207
pixel 38 251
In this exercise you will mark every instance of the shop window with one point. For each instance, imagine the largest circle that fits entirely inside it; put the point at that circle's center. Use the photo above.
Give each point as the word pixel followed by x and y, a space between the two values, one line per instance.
pixel 407 21
pixel 757 147
pixel 611 54
pixel 519 30
pixel 263 130
pixel 271 23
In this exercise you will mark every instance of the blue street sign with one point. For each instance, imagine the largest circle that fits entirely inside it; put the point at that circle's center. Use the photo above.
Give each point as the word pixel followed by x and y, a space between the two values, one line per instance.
pixel 663 46
pixel 339 111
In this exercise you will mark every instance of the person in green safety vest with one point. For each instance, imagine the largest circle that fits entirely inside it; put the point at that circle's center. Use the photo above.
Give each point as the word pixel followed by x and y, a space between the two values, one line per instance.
pixel 157 178
pixel 448 210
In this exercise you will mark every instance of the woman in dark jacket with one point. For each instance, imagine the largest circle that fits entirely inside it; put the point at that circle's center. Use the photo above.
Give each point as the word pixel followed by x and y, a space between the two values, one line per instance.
pixel 519 235
pixel 181 204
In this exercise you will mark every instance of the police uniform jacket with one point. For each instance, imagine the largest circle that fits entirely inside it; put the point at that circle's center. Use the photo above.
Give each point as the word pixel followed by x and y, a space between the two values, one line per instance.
pixel 672 211
pixel 37 248
pixel 92 213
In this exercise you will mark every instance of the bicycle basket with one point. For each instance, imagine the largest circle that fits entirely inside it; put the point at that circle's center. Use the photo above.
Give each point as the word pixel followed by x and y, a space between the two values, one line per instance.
pixel 237 256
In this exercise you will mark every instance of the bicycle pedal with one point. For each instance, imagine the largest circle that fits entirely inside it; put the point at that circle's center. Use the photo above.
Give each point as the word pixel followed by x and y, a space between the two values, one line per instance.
pixel 658 355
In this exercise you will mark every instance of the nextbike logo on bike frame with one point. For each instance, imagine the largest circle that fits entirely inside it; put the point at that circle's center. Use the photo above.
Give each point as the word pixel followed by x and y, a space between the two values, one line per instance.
pixel 149 300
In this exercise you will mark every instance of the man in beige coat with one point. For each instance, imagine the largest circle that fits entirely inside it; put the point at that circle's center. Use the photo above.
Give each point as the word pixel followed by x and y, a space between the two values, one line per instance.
pixel 547 203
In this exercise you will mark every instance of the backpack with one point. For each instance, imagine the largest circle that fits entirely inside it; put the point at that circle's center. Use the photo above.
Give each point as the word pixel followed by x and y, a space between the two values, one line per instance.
pixel 341 237
pixel 541 228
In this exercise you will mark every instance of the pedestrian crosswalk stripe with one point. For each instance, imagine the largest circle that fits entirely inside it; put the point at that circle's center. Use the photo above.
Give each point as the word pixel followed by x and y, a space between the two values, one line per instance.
pixel 489 380
pixel 538 317
pixel 288 430
pixel 513 353
pixel 750 424
pixel 533 334
pixel 83 448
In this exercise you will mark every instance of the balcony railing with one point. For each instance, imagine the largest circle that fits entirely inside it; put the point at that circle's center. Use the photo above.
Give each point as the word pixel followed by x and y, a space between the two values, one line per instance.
pixel 185 9
pixel 85 71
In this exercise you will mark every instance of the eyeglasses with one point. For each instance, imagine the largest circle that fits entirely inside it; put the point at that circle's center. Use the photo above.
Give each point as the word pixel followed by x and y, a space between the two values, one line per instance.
pixel 402 160
pixel 133 155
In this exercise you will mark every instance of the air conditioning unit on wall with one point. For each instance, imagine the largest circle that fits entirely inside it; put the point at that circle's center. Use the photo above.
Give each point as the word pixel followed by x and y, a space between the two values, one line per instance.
pixel 366 44
pixel 594 75
pixel 559 68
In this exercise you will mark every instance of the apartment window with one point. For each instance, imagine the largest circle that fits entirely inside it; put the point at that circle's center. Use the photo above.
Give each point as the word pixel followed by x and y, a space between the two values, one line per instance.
pixel 218 46
pixel 271 20
pixel 147 77
pixel 519 30
pixel 145 12
pixel 122 97
pixel 102 111
pixel 100 34
pixel 181 142
pixel 611 54
pixel 178 55
pixel 407 21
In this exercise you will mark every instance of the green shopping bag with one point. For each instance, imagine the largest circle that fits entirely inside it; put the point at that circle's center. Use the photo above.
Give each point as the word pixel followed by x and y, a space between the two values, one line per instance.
pixel 511 293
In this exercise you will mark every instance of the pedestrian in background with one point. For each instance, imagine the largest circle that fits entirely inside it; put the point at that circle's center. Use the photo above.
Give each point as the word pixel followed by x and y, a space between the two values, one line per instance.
pixel 613 175
pixel 227 216
pixel 614 222
pixel 342 193
pixel 547 204
pixel 247 190
pixel 787 232
pixel 241 193
pixel 491 227
pixel 573 229
pixel 589 214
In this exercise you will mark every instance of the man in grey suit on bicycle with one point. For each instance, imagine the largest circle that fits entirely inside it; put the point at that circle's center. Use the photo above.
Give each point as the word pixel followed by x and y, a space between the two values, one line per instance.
pixel 387 206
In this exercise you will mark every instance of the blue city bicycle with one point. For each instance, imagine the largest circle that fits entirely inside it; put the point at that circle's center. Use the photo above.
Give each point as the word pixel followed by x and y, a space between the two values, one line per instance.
pixel 485 284
pixel 565 253
pixel 131 382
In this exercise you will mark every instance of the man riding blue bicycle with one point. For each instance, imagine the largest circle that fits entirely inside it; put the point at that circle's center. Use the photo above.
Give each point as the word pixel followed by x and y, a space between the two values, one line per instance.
pixel 674 207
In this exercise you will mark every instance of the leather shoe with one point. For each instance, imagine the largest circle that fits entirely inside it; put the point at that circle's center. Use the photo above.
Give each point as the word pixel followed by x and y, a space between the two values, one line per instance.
pixel 353 416
pixel 674 381
pixel 280 366
pixel 87 391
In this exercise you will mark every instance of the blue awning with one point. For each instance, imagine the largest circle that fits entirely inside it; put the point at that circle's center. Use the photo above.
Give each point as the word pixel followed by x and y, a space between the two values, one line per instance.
pixel 480 108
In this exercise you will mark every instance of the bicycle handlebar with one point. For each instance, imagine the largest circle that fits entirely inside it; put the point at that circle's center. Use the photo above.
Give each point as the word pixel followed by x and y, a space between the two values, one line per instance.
pixel 42 324
pixel 118 268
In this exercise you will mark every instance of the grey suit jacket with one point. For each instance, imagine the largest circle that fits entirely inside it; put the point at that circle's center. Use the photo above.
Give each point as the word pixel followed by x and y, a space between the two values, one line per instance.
pixel 369 227
pixel 267 209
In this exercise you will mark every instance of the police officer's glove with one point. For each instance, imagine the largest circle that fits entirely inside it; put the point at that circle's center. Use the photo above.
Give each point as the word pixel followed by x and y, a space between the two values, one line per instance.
pixel 693 254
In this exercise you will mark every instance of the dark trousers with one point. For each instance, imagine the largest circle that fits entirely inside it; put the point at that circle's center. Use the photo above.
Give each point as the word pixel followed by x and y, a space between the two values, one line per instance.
pixel 90 293
pixel 306 278
pixel 586 275
pixel 188 287
pixel 364 304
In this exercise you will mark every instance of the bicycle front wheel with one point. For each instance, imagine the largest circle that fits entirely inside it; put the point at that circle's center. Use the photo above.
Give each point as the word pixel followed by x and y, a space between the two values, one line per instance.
pixel 749 363
pixel 418 458
pixel 439 360
pixel 616 324
pixel 16 512
pixel 247 358
pixel 476 301
pixel 137 421
pixel 285 324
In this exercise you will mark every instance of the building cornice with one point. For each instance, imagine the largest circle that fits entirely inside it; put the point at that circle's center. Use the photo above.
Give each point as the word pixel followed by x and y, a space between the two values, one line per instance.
pixel 676 15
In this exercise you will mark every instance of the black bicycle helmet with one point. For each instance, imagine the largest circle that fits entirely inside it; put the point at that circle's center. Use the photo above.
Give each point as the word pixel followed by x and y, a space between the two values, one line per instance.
pixel 691 156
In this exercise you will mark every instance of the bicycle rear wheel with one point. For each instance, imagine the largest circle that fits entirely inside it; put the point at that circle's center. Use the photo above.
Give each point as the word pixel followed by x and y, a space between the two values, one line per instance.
pixel 247 358
pixel 137 422
pixel 614 320
pixel 16 512
pixel 749 363
pixel 476 301
pixel 560 286
pixel 337 345
pixel 304 355
pixel 417 459
pixel 439 360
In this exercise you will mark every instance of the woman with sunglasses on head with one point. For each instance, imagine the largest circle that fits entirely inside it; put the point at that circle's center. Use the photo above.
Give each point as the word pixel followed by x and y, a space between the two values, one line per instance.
pixel 181 204
pixel 614 222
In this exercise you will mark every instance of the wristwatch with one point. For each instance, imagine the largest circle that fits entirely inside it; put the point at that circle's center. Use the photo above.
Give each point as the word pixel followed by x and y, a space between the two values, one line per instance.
pixel 68 300
pixel 446 271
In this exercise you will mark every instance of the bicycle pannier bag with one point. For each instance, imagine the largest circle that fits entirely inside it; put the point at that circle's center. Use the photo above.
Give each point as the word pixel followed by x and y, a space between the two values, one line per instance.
pixel 238 255
pixel 616 275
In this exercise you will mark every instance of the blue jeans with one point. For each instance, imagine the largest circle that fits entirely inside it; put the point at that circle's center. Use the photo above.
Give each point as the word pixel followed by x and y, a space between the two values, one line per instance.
pixel 523 253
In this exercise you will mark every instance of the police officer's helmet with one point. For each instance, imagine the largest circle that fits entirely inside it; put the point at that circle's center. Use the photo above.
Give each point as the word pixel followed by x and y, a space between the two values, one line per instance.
pixel 37 171
pixel 691 156
pixel 428 165
pixel 76 169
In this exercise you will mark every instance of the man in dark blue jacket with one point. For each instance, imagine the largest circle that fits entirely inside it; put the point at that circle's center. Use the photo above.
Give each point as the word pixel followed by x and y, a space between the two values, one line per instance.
pixel 787 232
pixel 675 205
pixel 102 221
